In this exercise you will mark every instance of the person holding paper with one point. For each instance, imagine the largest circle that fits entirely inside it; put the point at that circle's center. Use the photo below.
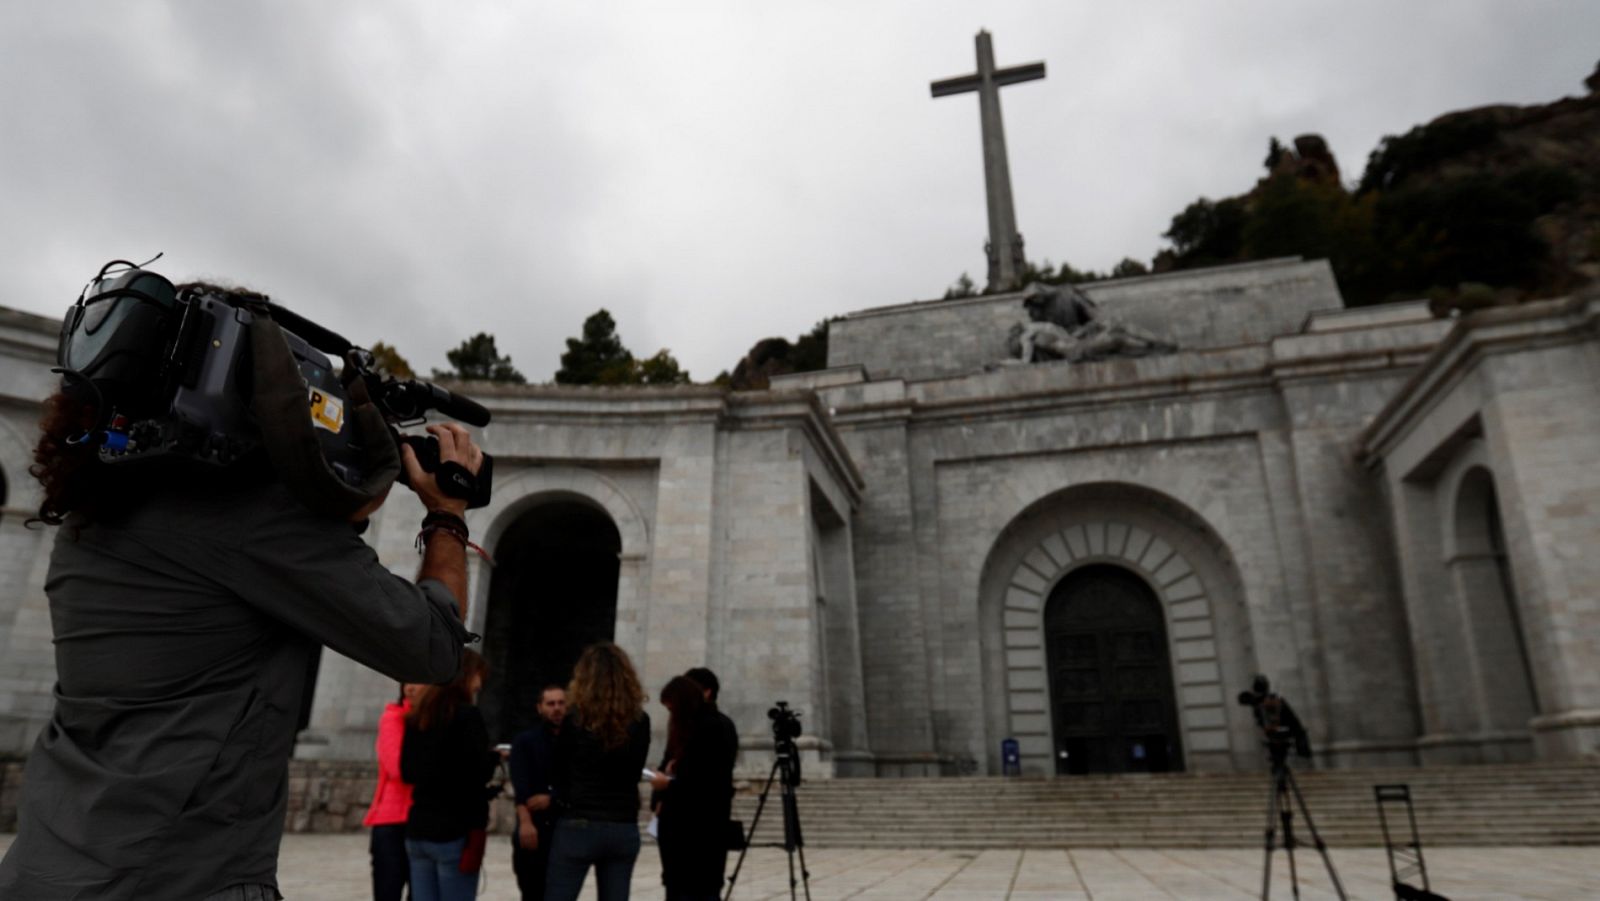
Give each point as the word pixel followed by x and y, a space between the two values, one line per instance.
pixel 694 795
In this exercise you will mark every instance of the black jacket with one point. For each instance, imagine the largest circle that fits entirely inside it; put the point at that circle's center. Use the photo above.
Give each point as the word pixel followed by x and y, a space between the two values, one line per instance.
pixel 532 766
pixel 596 783
pixel 696 807
pixel 448 767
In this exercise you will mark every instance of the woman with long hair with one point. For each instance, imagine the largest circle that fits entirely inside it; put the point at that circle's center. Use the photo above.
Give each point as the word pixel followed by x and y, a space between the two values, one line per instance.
pixel 447 759
pixel 391 801
pixel 694 795
pixel 599 757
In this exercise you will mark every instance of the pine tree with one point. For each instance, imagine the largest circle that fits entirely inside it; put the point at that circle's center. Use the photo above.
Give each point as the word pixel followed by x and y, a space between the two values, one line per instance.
pixel 477 359
pixel 598 358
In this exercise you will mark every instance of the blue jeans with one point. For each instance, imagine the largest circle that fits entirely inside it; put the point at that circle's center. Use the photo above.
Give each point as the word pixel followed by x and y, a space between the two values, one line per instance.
pixel 610 848
pixel 436 871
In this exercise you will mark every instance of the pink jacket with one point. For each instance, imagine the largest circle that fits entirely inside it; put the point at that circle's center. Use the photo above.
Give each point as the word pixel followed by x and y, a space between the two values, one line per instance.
pixel 392 801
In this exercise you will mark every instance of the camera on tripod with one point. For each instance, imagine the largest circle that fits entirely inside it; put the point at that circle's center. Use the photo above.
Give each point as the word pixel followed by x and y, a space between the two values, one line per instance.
pixel 785 723
pixel 786 774
pixel 1280 727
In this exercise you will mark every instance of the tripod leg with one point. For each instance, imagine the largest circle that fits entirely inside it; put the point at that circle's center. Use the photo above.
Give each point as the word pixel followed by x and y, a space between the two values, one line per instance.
pixel 1322 847
pixel 793 839
pixel 1286 813
pixel 1272 826
pixel 805 874
pixel 754 822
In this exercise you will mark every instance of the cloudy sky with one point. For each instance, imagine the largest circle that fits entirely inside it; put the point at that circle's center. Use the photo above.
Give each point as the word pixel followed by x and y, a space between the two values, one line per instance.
pixel 711 172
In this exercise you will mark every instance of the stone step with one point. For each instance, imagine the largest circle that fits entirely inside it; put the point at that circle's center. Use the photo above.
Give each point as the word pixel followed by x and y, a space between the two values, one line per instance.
pixel 1489 805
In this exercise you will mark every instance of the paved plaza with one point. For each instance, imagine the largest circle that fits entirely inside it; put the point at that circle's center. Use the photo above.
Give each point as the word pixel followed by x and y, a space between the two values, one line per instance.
pixel 334 867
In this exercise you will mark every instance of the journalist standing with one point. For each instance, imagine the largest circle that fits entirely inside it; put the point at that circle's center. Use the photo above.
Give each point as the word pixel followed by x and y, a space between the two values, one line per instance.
pixel 391 802
pixel 695 795
pixel 188 604
pixel 532 766
pixel 447 760
pixel 599 758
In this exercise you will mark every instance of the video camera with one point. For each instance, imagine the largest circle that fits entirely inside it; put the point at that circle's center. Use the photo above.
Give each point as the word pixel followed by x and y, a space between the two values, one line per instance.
pixel 785 723
pixel 214 376
pixel 785 729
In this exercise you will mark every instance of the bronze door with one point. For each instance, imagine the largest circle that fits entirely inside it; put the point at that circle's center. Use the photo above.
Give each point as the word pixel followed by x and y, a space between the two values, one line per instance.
pixel 1111 691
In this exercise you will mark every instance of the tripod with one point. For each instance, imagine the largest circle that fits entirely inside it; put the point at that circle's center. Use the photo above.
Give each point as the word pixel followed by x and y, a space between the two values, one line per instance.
pixel 786 772
pixel 1280 812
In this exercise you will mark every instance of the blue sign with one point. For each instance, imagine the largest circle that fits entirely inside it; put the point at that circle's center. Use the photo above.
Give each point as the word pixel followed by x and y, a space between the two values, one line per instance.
pixel 1010 757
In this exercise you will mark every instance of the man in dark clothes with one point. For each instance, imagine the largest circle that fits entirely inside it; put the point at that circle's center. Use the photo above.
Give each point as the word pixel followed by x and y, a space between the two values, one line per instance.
pixel 712 686
pixel 533 755
pixel 187 604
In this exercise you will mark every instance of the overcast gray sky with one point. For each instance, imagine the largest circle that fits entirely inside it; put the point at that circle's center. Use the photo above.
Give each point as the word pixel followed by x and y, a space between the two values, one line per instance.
pixel 711 172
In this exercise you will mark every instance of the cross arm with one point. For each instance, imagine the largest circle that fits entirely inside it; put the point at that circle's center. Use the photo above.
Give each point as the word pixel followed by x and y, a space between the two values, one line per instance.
pixel 959 85
pixel 1016 74
pixel 964 83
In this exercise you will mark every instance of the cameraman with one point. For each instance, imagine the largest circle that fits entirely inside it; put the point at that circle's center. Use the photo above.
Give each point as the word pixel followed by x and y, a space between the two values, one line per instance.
pixel 189 604
pixel 1276 719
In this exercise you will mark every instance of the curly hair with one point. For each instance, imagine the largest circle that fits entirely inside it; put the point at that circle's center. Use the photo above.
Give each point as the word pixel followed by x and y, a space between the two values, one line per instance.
pixel 605 693
pixel 69 473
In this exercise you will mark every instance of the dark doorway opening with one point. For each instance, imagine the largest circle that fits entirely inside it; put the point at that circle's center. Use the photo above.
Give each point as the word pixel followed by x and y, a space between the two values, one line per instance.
pixel 1111 692
pixel 553 592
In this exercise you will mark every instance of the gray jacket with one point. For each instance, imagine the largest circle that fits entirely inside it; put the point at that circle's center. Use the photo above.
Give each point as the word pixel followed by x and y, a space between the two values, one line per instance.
pixel 184 634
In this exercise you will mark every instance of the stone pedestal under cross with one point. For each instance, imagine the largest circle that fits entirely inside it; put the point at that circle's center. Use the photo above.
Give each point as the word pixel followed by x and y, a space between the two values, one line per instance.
pixel 1005 244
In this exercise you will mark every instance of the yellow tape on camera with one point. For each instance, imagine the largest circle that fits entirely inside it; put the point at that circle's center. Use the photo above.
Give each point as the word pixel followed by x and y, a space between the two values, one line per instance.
pixel 327 412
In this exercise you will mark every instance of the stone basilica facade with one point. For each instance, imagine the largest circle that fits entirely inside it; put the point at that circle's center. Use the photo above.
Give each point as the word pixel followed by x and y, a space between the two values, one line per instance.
pixel 1393 516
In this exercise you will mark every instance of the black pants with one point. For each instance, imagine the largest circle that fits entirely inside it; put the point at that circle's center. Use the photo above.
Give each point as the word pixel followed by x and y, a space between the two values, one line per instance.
pixel 694 857
pixel 391 869
pixel 530 866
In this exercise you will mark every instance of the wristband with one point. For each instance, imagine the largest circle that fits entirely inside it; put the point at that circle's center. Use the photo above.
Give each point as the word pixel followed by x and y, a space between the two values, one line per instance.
pixel 445 519
pixel 450 524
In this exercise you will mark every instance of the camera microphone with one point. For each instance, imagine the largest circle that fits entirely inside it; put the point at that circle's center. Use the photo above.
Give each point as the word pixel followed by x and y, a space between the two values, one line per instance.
pixel 466 410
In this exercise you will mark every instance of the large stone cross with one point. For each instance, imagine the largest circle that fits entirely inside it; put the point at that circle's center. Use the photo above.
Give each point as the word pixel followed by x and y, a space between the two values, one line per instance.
pixel 1005 244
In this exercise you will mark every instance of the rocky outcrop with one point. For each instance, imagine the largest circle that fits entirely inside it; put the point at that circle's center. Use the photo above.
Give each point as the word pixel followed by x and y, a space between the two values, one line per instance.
pixel 1309 160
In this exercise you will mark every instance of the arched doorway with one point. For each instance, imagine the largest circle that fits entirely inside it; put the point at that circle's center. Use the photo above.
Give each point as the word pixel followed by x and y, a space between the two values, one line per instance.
pixel 1112 701
pixel 553 592
pixel 1484 584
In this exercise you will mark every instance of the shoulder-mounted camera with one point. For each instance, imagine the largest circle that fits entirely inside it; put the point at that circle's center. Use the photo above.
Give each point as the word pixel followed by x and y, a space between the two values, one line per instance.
pixel 213 376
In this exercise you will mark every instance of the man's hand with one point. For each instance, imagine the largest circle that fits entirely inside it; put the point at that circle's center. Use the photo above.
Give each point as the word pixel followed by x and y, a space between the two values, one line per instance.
pixel 444 557
pixel 455 446
pixel 527 833
pixel 537 803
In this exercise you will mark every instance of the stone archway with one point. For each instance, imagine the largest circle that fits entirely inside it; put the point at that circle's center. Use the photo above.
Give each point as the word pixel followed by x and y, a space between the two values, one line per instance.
pixel 553 592
pixel 1196 589
pixel 520 491
pixel 1112 704
pixel 523 493
pixel 16 452
pixel 1496 646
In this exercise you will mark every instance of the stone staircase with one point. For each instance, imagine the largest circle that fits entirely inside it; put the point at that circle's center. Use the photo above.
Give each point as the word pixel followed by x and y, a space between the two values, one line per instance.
pixel 1526 804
